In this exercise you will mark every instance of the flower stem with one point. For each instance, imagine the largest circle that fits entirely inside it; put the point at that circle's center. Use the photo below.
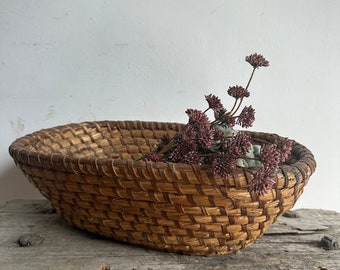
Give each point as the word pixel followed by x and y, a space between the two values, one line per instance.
pixel 239 104
pixel 206 110
pixel 251 77
pixel 231 111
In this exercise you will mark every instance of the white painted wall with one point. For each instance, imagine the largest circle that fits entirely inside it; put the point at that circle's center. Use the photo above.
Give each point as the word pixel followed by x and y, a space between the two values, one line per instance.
pixel 71 61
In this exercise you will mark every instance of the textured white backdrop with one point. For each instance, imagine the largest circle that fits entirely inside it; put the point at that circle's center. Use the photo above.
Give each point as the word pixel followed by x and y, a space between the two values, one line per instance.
pixel 71 61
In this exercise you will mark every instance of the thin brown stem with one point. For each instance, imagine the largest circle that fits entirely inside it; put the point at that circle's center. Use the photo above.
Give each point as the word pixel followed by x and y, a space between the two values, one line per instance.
pixel 206 110
pixel 251 77
pixel 231 111
pixel 239 105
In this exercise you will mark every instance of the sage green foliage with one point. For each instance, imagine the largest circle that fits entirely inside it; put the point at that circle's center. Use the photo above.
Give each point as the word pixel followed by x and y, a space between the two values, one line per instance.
pixel 253 157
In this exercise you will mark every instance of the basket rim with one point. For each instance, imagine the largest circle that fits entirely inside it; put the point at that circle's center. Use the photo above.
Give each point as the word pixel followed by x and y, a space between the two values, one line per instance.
pixel 19 152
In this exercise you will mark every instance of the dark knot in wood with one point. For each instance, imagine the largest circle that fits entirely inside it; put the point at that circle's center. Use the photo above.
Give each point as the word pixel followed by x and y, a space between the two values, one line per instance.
pixel 329 242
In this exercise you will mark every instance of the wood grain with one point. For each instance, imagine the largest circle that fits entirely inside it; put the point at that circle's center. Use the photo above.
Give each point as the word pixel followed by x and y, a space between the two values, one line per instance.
pixel 291 243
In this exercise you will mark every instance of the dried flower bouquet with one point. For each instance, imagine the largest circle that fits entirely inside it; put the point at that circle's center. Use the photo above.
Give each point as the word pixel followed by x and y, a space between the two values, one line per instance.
pixel 218 144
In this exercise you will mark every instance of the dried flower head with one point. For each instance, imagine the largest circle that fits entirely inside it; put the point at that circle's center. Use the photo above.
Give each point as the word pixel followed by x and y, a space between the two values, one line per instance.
pixel 285 146
pixel 155 157
pixel 246 117
pixel 214 102
pixel 238 145
pixel 222 164
pixel 238 92
pixel 270 156
pixel 264 180
pixel 197 117
pixel 199 129
pixel 226 120
pixel 185 151
pixel 257 60
pixel 218 134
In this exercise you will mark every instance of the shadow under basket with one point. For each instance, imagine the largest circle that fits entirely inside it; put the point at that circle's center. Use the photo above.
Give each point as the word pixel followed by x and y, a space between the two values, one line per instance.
pixel 89 172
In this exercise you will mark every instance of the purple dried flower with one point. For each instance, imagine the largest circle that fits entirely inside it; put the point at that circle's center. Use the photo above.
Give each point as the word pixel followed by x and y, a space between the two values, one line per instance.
pixel 270 155
pixel 206 138
pixel 257 60
pixel 219 113
pixel 203 136
pixel 224 118
pixel 246 117
pixel 182 147
pixel 197 118
pixel 184 151
pixel 238 145
pixel 200 129
pixel 238 92
pixel 191 157
pixel 223 165
pixel 218 134
pixel 155 157
pixel 188 134
pixel 285 146
pixel 214 102
pixel 263 181
pixel 215 143
pixel 229 121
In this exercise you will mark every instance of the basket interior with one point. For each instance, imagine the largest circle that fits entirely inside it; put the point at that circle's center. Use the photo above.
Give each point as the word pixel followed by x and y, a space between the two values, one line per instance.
pixel 102 140
pixel 122 140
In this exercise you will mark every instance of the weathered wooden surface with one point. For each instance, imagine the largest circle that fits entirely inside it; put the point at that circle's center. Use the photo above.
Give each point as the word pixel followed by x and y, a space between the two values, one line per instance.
pixel 291 243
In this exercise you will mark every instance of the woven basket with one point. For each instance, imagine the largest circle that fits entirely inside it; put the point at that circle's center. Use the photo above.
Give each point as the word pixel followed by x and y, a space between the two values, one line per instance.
pixel 87 171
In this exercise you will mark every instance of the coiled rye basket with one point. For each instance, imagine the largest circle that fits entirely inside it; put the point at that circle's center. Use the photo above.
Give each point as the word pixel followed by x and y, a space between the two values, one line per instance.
pixel 89 174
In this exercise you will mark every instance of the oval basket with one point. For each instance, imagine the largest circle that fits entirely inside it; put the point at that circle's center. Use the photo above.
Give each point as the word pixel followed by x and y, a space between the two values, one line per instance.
pixel 89 174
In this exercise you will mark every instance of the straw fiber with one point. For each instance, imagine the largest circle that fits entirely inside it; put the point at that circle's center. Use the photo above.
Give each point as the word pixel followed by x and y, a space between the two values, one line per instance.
pixel 89 173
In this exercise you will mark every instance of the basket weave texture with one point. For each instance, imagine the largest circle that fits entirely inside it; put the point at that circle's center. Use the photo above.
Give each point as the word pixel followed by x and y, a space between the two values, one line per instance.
pixel 89 173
